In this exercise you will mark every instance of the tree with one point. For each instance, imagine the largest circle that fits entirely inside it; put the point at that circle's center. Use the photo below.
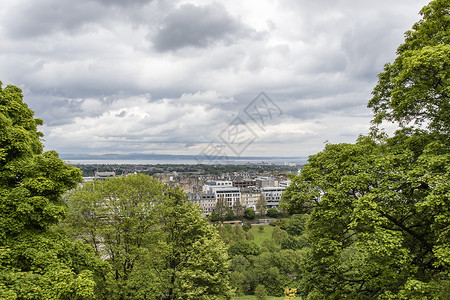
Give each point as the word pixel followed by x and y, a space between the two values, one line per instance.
pixel 261 205
pixel 249 213
pixel 221 208
pixel 35 261
pixel 371 202
pixel 243 247
pixel 260 292
pixel 116 218
pixel 157 245
pixel 195 260
pixel 379 221
pixel 238 209
pixel 278 235
pixel 230 215
pixel 275 270
pixel 415 87
pixel 272 212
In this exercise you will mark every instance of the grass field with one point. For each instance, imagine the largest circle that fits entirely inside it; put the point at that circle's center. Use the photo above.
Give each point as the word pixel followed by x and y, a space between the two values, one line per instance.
pixel 261 236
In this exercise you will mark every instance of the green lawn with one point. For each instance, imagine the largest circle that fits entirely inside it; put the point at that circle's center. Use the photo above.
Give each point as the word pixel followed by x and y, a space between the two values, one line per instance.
pixel 260 236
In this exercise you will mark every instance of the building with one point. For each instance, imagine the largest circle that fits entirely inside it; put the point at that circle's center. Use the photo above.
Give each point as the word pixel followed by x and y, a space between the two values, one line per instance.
pixel 249 197
pixel 206 202
pixel 244 183
pixel 230 194
pixel 285 183
pixel 104 175
pixel 272 194
pixel 262 182
pixel 211 186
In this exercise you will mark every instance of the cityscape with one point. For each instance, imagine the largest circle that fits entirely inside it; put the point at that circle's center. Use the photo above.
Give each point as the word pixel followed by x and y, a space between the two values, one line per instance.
pixel 234 150
pixel 244 187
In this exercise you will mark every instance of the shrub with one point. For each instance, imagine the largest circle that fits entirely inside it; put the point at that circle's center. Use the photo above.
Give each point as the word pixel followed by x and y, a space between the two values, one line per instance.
pixel 249 213
pixel 272 212
pixel 260 292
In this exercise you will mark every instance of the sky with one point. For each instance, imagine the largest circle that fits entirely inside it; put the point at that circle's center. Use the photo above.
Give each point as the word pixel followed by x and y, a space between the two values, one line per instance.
pixel 231 78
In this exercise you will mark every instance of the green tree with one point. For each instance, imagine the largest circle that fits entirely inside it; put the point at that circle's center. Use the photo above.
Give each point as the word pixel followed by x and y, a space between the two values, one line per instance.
pixel 221 209
pixel 260 292
pixel 116 218
pixel 275 270
pixel 372 199
pixel 230 215
pixel 195 260
pixel 380 218
pixel 249 213
pixel 238 209
pixel 414 88
pixel 278 235
pixel 243 247
pixel 156 244
pixel 272 212
pixel 261 205
pixel 35 261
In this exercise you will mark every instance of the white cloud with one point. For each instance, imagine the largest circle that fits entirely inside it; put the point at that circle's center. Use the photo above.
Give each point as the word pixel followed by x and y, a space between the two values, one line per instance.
pixel 169 76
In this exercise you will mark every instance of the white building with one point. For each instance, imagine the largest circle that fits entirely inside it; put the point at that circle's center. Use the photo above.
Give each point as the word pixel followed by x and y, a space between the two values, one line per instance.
pixel 210 186
pixel 285 183
pixel 206 202
pixel 230 194
pixel 272 194
pixel 249 197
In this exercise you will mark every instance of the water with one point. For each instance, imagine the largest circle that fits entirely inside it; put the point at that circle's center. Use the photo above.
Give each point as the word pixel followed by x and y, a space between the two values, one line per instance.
pixel 274 161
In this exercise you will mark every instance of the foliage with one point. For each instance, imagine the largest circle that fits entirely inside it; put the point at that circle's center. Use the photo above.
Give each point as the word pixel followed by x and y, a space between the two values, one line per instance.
pixel 261 205
pixel 294 242
pixel 221 208
pixel 263 262
pixel 213 217
pixel 156 244
pixel 230 215
pixel 415 87
pixel 247 226
pixel 296 225
pixel 260 292
pixel 35 261
pixel 380 218
pixel 238 209
pixel 231 234
pixel 249 213
pixel 243 247
pixel 272 212
pixel 274 270
pixel 289 294
pixel 368 224
pixel 278 235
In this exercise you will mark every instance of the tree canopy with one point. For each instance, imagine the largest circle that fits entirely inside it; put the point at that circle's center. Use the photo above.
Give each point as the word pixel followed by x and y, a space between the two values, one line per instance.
pixel 35 261
pixel 379 221
pixel 415 87
pixel 155 243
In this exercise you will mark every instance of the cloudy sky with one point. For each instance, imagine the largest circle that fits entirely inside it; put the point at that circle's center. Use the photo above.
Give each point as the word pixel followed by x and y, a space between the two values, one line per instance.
pixel 185 77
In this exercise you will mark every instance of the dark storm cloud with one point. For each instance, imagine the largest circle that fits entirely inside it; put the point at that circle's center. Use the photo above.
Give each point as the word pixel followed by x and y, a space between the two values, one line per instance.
pixel 197 26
